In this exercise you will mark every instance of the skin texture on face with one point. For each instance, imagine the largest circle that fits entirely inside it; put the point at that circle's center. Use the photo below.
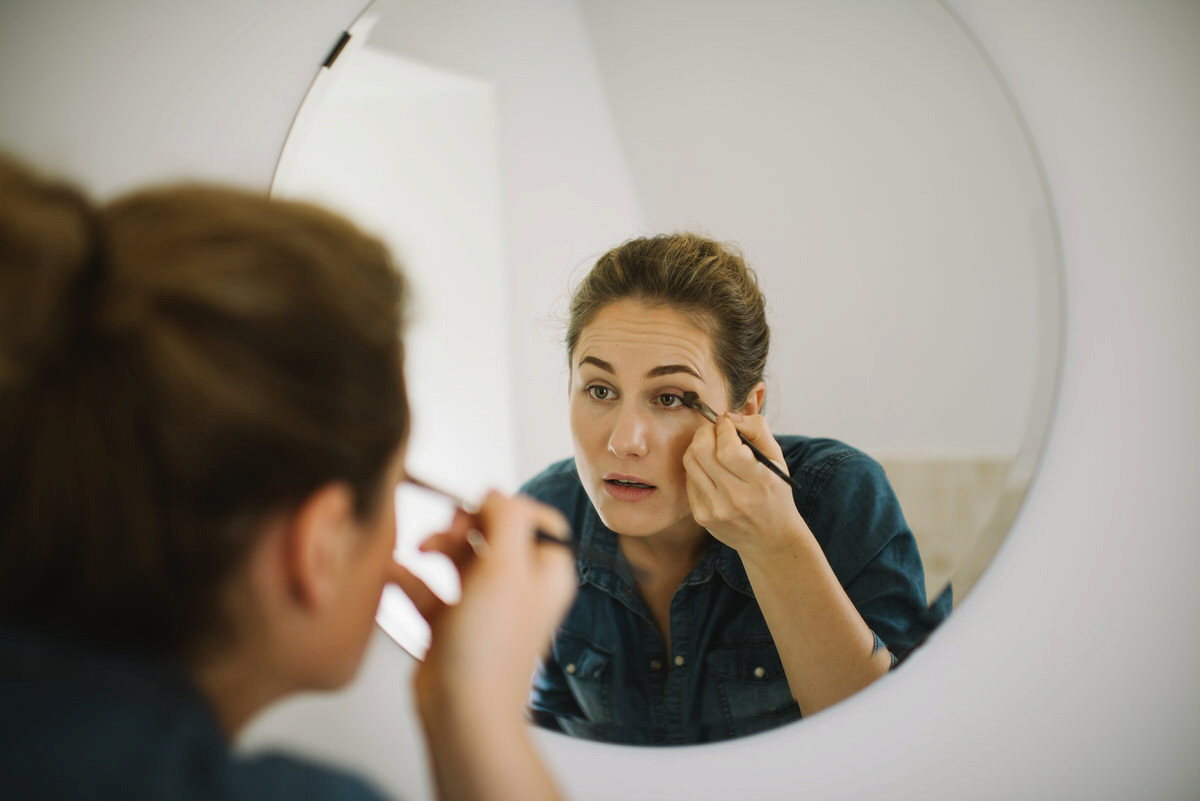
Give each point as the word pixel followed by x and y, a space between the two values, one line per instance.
pixel 630 367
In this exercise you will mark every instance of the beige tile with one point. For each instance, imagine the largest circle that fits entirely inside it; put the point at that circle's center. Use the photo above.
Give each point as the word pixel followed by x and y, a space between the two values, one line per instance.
pixel 950 504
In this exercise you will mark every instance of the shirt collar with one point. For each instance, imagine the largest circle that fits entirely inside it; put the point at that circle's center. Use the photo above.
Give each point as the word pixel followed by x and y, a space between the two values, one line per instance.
pixel 602 564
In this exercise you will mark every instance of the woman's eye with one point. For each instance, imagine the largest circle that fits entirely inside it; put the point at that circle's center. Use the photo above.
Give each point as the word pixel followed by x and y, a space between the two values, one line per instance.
pixel 670 400
pixel 598 392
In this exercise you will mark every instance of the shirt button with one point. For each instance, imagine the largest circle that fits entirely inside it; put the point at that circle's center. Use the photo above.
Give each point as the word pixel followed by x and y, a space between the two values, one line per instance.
pixel 656 664
pixel 759 673
pixel 679 661
pixel 571 668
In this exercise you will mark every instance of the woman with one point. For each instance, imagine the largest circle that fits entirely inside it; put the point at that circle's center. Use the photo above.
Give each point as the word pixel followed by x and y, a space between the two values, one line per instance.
pixel 202 420
pixel 713 600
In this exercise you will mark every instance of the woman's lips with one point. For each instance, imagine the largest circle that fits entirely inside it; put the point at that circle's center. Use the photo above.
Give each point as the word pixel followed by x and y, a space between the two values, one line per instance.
pixel 627 488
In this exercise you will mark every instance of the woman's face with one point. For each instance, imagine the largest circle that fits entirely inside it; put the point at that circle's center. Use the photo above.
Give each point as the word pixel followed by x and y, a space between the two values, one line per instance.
pixel 630 367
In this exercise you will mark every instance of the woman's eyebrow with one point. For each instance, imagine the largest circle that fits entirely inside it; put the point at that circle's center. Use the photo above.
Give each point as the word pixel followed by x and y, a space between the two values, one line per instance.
pixel 668 369
pixel 603 365
pixel 654 372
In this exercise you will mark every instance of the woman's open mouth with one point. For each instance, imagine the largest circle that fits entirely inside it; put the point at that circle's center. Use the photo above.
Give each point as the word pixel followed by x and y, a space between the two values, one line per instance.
pixel 627 488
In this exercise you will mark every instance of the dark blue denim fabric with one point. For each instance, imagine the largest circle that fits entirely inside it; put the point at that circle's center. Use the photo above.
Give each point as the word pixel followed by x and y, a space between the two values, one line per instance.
pixel 607 675
pixel 81 724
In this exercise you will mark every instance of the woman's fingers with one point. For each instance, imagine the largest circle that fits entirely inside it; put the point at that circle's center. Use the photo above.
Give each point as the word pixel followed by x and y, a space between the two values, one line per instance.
pixel 496 551
pixel 731 452
pixel 557 576
pixel 513 523
pixel 455 542
pixel 698 470
pixel 718 456
pixel 738 458
pixel 755 429
pixel 456 547
pixel 730 492
pixel 428 604
pixel 514 594
pixel 516 555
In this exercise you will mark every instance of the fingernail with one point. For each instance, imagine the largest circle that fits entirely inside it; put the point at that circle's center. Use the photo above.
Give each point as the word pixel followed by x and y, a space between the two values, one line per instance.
pixel 478 544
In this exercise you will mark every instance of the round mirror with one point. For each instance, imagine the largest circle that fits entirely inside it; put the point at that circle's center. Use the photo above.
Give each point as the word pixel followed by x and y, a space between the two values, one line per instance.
pixel 863 156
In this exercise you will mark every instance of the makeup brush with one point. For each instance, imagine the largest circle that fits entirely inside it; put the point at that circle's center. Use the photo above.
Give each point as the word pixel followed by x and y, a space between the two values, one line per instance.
pixel 480 546
pixel 477 542
pixel 692 401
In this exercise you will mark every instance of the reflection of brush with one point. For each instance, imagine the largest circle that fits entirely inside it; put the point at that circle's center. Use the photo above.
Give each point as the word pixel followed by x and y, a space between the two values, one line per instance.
pixel 692 401
pixel 478 544
pixel 474 537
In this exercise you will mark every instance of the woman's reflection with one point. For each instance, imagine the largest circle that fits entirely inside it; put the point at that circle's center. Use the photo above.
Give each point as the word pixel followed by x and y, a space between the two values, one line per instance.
pixel 729 604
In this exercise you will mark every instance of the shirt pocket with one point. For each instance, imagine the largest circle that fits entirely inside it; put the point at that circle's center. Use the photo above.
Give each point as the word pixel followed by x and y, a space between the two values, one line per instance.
pixel 588 670
pixel 752 687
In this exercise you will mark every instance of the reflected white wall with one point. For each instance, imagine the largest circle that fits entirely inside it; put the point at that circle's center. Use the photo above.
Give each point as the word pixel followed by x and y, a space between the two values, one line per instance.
pixel 567 189
pixel 861 154
pixel 871 167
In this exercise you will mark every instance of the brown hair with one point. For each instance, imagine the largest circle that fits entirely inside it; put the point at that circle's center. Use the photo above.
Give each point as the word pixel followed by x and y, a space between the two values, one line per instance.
pixel 707 280
pixel 174 366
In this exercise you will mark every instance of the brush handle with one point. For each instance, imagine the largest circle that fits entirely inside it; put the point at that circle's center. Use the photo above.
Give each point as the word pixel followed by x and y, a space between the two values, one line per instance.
pixel 571 541
pixel 774 468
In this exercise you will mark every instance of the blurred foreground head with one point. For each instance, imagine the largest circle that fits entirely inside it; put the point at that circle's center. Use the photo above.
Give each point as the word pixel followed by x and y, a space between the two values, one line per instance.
pixel 175 366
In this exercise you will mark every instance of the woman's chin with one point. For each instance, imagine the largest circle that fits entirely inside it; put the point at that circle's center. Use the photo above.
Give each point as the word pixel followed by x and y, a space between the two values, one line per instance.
pixel 629 522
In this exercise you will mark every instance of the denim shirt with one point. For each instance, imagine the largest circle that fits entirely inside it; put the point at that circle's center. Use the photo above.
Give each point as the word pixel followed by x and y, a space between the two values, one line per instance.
pixel 607 675
pixel 80 723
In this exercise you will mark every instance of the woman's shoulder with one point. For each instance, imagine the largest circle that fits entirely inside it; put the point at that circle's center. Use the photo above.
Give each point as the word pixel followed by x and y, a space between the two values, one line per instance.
pixel 822 455
pixel 137 727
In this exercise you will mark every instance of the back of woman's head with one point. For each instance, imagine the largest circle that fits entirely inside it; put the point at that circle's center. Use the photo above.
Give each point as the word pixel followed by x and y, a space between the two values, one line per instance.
pixel 705 279
pixel 174 367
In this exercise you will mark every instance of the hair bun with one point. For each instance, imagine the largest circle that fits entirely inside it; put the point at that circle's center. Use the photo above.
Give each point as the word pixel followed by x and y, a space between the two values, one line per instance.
pixel 46 266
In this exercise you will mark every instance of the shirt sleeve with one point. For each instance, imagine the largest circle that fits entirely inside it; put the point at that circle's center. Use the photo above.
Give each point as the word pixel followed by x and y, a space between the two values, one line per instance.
pixel 854 514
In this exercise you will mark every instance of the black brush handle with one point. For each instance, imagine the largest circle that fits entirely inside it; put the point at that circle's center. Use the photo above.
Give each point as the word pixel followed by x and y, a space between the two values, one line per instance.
pixel 774 468
pixel 570 542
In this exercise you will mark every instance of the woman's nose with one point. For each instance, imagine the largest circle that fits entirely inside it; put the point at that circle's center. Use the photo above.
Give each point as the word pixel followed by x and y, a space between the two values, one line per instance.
pixel 628 439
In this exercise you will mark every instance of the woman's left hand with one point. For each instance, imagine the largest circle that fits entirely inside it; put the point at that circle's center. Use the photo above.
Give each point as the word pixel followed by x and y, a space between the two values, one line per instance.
pixel 735 497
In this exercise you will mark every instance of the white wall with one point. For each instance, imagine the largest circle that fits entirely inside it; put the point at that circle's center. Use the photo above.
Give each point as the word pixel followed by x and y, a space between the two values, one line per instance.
pixel 1069 673
pixel 567 189
pixel 127 91
pixel 879 183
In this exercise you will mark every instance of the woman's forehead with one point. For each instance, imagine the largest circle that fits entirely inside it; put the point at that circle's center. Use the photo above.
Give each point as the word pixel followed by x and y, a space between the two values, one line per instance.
pixel 636 332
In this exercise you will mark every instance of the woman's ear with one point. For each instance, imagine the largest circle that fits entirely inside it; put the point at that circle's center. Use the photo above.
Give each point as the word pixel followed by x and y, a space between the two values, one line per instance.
pixel 317 539
pixel 754 399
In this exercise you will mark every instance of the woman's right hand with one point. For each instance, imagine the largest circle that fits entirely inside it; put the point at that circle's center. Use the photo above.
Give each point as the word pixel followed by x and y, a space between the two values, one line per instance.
pixel 474 683
pixel 515 592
